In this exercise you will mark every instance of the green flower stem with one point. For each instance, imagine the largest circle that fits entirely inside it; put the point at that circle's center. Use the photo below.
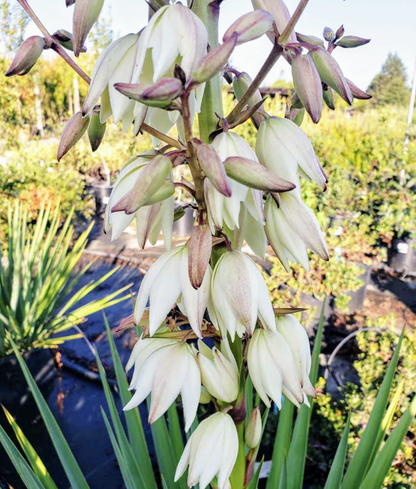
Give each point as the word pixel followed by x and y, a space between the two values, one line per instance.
pixel 238 474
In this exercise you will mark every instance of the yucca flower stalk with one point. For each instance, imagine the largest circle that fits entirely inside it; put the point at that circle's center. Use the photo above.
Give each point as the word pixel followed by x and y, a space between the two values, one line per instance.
pixel 210 332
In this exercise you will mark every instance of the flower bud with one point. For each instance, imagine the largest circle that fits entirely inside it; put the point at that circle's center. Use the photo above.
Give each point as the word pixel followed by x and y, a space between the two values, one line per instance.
pixel 73 131
pixel 312 40
pixel 329 98
pixel 308 85
pixel 65 40
pixel 329 34
pixel 240 84
pixel 254 429
pixel 96 131
pixel 215 60
pixel 352 42
pixel 26 56
pixel 219 372
pixel 86 13
pixel 331 73
pixel 297 116
pixel 250 26
pixel 340 32
pixel 205 396
pixel 357 92
pixel 200 246
pixel 213 168
pixel 280 14
pixel 150 182
pixel 254 175
pixel 160 94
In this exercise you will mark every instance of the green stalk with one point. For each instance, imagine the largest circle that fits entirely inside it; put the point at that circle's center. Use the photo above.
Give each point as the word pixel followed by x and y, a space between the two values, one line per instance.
pixel 208 12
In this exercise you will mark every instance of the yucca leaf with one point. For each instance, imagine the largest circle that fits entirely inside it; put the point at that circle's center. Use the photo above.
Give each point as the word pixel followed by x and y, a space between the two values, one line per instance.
pixel 133 420
pixel 283 475
pixel 338 464
pixel 65 455
pixel 299 444
pixel 362 456
pixel 175 431
pixel 35 461
pixel 383 461
pixel 254 482
pixel 29 478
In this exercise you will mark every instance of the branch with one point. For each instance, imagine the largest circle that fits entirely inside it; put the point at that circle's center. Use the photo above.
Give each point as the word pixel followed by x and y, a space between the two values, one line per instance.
pixel 160 135
pixel 292 22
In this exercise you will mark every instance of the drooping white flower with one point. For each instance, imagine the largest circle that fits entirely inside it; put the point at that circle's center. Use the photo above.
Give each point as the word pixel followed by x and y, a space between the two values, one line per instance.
pixel 168 371
pixel 273 369
pixel 219 371
pixel 297 339
pixel 239 296
pixel 227 209
pixel 284 148
pixel 165 283
pixel 150 220
pixel 211 451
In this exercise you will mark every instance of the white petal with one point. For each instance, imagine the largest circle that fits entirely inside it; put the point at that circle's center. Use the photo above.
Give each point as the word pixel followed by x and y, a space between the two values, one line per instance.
pixel 254 368
pixel 230 453
pixel 191 392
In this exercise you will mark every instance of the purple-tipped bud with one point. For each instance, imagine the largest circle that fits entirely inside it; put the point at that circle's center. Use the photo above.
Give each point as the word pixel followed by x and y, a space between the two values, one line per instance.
pixel 26 56
pixel 329 34
pixel 250 26
pixel 96 132
pixel 357 92
pixel 329 98
pixel 160 94
pixel 86 13
pixel 254 429
pixel 280 13
pixel 213 168
pixel 352 42
pixel 312 40
pixel 331 73
pixel 65 40
pixel 151 180
pixel 215 60
pixel 251 174
pixel 200 246
pixel 73 131
pixel 339 33
pixel 308 85
pixel 240 85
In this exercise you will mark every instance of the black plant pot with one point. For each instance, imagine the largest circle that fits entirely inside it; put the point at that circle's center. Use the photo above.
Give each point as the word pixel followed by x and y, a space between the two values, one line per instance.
pixel 101 194
pixel 310 301
pixel 402 255
pixel 358 296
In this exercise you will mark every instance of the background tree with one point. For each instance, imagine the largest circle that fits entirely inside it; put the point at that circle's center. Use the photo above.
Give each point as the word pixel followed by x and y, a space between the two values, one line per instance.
pixel 390 85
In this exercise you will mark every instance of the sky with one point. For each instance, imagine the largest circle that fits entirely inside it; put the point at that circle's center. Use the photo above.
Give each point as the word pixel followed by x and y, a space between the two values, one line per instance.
pixel 391 26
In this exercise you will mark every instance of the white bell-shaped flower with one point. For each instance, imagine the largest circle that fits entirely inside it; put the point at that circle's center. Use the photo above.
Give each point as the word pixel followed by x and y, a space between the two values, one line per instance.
pixel 297 339
pixel 285 149
pixel 239 296
pixel 167 282
pixel 150 219
pixel 211 451
pixel 219 371
pixel 226 210
pixel 168 371
pixel 273 369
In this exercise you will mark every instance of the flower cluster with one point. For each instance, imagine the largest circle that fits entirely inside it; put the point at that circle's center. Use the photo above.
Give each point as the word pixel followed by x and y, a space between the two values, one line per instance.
pixel 207 321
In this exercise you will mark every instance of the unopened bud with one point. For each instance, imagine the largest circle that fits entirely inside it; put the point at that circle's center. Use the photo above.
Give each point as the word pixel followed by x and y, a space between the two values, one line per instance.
pixel 26 56
pixel 151 180
pixel 352 42
pixel 73 131
pixel 312 40
pixel 200 246
pixel 280 14
pixel 297 116
pixel 357 92
pixel 213 168
pixel 240 84
pixel 250 26
pixel 254 429
pixel 331 73
pixel 329 98
pixel 96 132
pixel 65 40
pixel 205 397
pixel 86 13
pixel 308 85
pixel 339 33
pixel 160 94
pixel 215 60
pixel 254 175
pixel 329 34
pixel 166 190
